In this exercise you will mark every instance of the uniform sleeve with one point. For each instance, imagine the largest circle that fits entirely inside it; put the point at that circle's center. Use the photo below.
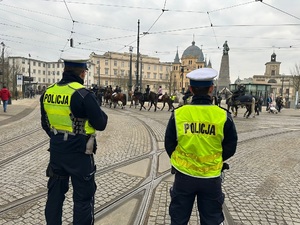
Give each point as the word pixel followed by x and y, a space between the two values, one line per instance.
pixel 97 118
pixel 171 136
pixel 229 143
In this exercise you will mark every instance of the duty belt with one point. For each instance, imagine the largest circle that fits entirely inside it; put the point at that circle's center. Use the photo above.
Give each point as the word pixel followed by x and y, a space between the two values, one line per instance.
pixel 66 133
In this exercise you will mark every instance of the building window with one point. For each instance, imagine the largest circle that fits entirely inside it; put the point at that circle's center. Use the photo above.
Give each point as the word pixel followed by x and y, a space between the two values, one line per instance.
pixel 48 72
pixel 273 72
pixel 148 75
pixel 115 72
pixel 106 71
pixel 34 63
pixel 49 80
pixel 122 64
pixel 57 72
pixel 23 70
pixel 34 71
pixel 106 62
pixel 155 67
pixel 39 64
pixel 39 71
pixel 149 67
pixel 154 76
pixel 160 76
pixel 115 63
pixel 39 79
pixel 53 80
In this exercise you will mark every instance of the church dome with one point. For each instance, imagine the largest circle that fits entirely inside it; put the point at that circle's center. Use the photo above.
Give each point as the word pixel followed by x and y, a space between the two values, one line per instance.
pixel 193 51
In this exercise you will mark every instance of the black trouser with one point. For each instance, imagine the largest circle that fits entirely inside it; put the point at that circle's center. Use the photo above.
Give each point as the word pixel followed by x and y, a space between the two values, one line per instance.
pixel 209 199
pixel 81 168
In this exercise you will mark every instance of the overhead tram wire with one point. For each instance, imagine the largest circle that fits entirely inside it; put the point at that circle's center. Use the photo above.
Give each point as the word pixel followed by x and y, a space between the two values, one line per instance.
pixel 147 32
pixel 280 10
pixel 212 27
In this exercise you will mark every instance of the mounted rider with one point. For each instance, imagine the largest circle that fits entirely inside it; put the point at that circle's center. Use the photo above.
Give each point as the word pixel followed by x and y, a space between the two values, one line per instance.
pixel 160 92
pixel 147 92
pixel 239 92
pixel 117 90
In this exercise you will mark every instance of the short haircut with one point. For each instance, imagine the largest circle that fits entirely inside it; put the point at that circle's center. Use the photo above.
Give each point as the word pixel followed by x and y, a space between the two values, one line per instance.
pixel 200 90
pixel 76 70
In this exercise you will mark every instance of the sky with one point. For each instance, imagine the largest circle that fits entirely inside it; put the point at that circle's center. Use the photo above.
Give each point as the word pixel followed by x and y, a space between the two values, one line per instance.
pixel 253 30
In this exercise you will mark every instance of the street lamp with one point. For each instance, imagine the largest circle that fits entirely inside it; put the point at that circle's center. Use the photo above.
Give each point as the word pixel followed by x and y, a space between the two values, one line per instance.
pixel 182 70
pixel 98 71
pixel 29 69
pixel 282 80
pixel 130 69
pixel 3 46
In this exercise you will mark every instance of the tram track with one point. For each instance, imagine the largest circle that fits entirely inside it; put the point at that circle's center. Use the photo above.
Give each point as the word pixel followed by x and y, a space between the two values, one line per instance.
pixel 145 189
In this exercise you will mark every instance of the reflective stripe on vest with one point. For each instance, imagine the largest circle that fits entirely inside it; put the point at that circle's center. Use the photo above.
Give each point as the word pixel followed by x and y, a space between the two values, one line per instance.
pixel 199 134
pixel 57 107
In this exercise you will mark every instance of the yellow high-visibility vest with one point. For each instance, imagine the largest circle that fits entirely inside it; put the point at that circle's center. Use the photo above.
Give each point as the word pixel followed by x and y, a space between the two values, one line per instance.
pixel 199 135
pixel 57 99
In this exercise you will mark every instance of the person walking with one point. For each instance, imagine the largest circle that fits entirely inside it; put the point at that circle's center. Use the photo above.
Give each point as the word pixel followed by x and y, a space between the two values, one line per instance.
pixel 70 115
pixel 5 96
pixel 199 138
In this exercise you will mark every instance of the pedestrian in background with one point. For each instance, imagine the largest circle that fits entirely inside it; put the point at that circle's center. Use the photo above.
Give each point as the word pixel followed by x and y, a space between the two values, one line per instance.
pixel 198 138
pixel 70 115
pixel 5 96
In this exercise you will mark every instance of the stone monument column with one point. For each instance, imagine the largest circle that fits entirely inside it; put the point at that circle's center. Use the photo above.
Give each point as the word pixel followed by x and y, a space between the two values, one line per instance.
pixel 224 79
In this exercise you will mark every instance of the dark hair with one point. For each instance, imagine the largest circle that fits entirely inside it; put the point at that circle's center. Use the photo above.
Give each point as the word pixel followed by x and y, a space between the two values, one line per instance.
pixel 200 90
pixel 76 70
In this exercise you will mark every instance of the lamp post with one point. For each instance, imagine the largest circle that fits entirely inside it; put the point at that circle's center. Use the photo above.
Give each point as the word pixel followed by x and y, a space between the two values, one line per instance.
pixel 282 80
pixel 98 71
pixel 29 69
pixel 130 68
pixel 182 70
pixel 3 46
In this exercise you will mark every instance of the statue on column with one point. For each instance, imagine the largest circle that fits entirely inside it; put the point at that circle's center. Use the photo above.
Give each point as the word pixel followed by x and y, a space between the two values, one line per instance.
pixel 225 48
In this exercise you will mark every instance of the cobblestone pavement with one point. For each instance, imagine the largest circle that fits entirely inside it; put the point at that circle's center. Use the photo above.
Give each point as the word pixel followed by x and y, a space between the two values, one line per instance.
pixel 261 187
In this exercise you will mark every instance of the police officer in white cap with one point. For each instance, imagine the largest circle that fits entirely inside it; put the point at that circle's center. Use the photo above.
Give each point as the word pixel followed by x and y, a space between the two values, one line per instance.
pixel 199 137
pixel 70 115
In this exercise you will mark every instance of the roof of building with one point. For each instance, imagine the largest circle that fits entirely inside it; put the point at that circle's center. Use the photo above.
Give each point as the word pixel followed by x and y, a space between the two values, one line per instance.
pixel 193 51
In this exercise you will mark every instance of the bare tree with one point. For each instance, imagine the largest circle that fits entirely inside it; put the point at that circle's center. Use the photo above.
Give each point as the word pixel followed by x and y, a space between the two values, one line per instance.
pixel 296 76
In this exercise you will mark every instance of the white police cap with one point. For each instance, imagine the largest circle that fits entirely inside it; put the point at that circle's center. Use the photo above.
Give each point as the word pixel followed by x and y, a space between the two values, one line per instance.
pixel 74 61
pixel 202 77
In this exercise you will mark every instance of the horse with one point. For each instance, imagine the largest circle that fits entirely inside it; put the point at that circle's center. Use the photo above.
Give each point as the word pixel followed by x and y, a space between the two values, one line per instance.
pixel 244 100
pixel 107 96
pixel 180 100
pixel 152 98
pixel 116 97
pixel 135 99
pixel 166 99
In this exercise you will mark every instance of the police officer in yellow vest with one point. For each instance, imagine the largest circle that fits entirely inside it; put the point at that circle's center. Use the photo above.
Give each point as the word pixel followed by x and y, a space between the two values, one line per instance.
pixel 199 137
pixel 70 115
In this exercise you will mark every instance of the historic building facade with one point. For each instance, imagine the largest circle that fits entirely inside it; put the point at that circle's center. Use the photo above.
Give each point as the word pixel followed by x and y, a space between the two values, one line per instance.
pixel 191 59
pixel 281 84
pixel 111 68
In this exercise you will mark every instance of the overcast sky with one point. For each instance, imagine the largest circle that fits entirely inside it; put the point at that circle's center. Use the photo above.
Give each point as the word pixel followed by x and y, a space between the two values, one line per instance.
pixel 253 29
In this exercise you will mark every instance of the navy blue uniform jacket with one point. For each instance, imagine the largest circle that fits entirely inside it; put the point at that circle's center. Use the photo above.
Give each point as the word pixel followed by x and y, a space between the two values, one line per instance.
pixel 86 107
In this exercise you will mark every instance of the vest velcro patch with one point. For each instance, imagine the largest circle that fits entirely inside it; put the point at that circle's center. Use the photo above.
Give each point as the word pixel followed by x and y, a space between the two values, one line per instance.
pixel 60 99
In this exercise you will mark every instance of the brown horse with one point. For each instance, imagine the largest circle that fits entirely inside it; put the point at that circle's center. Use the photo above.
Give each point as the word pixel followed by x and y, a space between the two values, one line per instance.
pixel 166 99
pixel 116 97
pixel 107 96
pixel 134 98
